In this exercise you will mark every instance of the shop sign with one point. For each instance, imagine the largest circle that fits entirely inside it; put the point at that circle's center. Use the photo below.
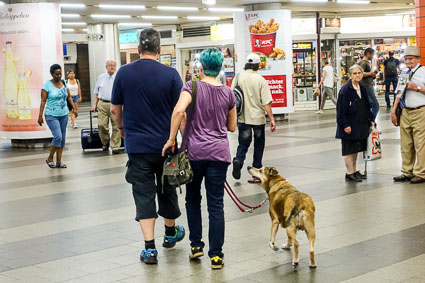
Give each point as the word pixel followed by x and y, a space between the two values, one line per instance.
pixel 302 45
pixel 128 37
pixel 268 34
pixel 31 37
pixel 376 24
pixel 222 32
pixel 303 26
pixel 331 22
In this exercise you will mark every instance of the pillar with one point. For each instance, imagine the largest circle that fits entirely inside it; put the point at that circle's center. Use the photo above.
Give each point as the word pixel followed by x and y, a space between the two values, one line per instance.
pixel 103 46
pixel 420 28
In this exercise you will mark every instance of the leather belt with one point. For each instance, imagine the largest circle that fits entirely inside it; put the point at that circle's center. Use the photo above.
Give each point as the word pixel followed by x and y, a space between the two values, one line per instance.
pixel 415 108
pixel 108 101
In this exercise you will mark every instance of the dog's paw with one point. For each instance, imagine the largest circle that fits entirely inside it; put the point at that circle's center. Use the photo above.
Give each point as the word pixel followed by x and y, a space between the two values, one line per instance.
pixel 273 246
pixel 286 247
pixel 295 264
pixel 313 266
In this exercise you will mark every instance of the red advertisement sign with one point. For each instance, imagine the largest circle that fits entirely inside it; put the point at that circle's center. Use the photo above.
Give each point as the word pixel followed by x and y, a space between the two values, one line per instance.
pixel 277 86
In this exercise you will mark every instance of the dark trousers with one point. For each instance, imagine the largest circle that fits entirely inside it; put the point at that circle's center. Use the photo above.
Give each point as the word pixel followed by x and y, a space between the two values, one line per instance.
pixel 245 138
pixel 214 173
pixel 388 82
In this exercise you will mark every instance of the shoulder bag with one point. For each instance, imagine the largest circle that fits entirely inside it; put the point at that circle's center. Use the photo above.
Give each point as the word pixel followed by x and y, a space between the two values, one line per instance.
pixel 177 170
pixel 238 92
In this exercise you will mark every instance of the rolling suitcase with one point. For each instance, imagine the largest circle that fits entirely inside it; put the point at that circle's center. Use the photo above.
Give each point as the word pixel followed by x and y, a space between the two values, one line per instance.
pixel 90 137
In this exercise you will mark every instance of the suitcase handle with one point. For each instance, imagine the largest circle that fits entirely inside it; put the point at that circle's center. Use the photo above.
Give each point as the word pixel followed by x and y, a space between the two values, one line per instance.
pixel 91 122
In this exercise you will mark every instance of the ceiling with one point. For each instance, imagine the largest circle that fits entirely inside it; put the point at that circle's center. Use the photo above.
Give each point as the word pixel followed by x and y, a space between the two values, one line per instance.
pixel 300 9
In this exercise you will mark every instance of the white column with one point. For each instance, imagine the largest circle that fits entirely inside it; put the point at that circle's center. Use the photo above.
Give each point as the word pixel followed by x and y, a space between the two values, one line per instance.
pixel 103 46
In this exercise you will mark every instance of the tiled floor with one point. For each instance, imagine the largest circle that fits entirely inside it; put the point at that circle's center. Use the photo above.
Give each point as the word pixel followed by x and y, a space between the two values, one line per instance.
pixel 76 225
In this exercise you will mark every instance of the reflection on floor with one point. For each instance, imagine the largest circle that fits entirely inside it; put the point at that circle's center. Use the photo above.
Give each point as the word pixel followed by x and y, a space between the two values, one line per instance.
pixel 77 224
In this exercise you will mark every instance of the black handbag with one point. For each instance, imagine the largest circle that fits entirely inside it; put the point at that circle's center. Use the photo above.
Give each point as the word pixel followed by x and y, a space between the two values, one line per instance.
pixel 68 104
pixel 177 169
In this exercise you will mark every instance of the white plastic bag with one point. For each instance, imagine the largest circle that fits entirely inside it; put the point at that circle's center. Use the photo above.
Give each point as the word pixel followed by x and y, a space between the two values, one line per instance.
pixel 373 145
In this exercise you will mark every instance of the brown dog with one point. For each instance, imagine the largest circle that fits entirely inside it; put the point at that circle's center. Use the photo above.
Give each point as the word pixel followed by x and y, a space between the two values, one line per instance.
pixel 288 207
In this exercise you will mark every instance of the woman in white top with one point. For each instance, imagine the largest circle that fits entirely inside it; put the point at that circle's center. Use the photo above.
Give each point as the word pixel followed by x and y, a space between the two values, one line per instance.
pixel 74 88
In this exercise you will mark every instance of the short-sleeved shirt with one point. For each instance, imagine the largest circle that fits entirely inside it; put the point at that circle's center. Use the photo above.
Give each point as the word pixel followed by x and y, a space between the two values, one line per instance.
pixel 397 64
pixel 104 86
pixel 413 98
pixel 256 94
pixel 367 81
pixel 56 100
pixel 148 91
pixel 329 79
pixel 207 138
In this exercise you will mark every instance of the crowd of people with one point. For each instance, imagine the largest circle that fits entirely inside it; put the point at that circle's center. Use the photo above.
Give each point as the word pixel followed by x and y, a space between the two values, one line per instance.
pixel 147 105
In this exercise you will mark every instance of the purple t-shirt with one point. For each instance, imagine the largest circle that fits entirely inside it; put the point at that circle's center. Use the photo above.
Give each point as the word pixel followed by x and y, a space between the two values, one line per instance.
pixel 208 130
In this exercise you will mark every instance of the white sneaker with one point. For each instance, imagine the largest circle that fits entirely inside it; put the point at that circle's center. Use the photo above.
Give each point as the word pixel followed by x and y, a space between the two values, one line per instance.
pixel 74 126
pixel 319 112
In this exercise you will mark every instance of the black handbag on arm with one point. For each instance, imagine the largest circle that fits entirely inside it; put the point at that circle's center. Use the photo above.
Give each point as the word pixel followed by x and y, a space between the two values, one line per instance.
pixel 177 170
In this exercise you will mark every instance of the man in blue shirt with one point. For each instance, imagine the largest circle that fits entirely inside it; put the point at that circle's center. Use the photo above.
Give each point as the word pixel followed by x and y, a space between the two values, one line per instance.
pixel 143 98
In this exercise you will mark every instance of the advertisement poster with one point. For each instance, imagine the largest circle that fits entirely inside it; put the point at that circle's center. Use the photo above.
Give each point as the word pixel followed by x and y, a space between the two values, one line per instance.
pixel 268 33
pixel 30 41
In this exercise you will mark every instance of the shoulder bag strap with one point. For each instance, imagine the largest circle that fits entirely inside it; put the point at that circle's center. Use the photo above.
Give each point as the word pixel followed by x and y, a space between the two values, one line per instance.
pixel 403 96
pixel 192 109
pixel 237 80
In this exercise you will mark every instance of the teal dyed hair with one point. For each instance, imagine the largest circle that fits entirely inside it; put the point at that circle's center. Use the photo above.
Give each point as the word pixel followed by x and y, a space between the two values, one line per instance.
pixel 212 60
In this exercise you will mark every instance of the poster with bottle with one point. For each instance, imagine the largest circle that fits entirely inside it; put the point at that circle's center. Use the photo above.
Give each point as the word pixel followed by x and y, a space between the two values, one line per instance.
pixel 268 33
pixel 30 41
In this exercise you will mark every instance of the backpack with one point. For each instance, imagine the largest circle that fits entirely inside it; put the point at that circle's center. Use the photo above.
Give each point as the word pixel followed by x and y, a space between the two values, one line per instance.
pixel 391 68
pixel 238 92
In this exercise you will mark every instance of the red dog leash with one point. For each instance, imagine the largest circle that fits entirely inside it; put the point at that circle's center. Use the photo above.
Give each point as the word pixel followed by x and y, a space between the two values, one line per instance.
pixel 238 202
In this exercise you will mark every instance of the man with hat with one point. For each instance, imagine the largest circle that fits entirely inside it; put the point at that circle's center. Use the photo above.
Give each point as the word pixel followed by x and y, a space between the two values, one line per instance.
pixel 257 100
pixel 412 128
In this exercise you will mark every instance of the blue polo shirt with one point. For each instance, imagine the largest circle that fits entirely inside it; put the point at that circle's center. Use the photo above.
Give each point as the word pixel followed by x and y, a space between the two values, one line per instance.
pixel 148 91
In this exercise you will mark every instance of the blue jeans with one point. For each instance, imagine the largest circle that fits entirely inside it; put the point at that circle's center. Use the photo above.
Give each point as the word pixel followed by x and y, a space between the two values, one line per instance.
pixel 388 82
pixel 57 125
pixel 373 102
pixel 214 173
pixel 245 138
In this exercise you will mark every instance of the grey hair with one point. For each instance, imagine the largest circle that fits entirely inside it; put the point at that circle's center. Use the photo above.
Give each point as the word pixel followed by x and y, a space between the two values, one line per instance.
pixel 109 61
pixel 355 66
pixel 150 41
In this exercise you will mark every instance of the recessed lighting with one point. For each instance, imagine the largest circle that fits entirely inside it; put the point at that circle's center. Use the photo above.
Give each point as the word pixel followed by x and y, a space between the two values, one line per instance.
pixel 68 29
pixel 203 18
pixel 134 24
pixel 160 17
pixel 70 15
pixel 209 2
pixel 224 10
pixel 74 24
pixel 72 6
pixel 101 16
pixel 170 8
pixel 122 7
pixel 355 2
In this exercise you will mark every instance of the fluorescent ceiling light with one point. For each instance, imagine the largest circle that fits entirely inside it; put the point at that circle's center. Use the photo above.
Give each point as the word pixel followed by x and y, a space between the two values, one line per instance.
pixel 84 29
pixel 100 16
pixel 203 18
pixel 135 24
pixel 169 8
pixel 72 6
pixel 70 15
pixel 74 24
pixel 355 2
pixel 1 3
pixel 68 30
pixel 160 17
pixel 310 1
pixel 122 7
pixel 224 10
pixel 209 2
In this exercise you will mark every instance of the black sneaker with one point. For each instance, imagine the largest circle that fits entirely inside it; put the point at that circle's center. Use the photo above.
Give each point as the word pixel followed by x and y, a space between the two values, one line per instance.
pixel 105 147
pixel 360 175
pixel 236 173
pixel 149 256
pixel 170 241
pixel 196 253
pixel 352 178
pixel 217 262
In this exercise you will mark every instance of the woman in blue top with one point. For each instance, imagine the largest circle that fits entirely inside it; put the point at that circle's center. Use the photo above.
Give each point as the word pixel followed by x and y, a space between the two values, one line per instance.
pixel 54 95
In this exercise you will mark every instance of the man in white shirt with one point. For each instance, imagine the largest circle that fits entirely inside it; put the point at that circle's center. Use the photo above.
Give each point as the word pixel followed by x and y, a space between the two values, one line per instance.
pixel 412 126
pixel 257 101
pixel 328 85
pixel 102 103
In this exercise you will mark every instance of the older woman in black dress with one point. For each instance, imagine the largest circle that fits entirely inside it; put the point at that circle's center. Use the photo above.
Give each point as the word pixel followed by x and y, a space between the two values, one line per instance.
pixel 354 119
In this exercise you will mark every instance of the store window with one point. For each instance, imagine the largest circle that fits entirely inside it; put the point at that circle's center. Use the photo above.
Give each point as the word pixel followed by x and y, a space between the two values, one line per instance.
pixel 304 61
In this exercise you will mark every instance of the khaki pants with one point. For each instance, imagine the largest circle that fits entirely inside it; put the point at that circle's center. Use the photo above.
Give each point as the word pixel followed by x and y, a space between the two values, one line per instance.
pixel 104 114
pixel 412 138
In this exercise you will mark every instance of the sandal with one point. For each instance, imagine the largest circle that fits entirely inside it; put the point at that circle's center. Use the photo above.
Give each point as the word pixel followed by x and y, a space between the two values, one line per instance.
pixel 254 180
pixel 61 165
pixel 51 164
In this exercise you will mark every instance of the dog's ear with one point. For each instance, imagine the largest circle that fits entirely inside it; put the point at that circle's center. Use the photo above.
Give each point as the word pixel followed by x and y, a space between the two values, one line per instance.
pixel 273 172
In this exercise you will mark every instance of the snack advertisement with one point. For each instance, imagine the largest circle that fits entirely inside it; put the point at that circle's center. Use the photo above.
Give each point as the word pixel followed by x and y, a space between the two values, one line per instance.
pixel 268 34
pixel 30 41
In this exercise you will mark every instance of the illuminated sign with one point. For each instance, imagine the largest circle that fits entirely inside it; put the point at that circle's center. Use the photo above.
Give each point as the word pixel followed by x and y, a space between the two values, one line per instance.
pixel 128 37
pixel 302 45
pixel 222 32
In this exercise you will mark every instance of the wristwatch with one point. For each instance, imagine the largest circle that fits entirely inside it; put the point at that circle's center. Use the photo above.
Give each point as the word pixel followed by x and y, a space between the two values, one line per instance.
pixel 418 89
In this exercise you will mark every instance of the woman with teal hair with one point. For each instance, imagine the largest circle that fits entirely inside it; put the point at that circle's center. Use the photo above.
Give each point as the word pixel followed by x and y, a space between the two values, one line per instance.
pixel 208 150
